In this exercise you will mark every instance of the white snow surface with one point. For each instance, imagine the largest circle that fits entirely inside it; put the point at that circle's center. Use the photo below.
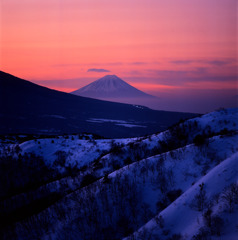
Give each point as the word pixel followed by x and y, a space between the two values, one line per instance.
pixel 79 152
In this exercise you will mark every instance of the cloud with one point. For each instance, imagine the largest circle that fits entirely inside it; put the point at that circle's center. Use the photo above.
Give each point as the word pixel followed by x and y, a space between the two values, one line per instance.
pixel 198 75
pixel 114 63
pixel 66 65
pixel 219 63
pixel 177 74
pixel 179 62
pixel 105 64
pixel 97 70
pixel 214 62
pixel 138 63
pixel 133 72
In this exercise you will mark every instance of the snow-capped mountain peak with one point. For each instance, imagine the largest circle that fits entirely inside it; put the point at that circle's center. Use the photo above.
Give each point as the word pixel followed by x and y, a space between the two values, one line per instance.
pixel 110 86
pixel 108 83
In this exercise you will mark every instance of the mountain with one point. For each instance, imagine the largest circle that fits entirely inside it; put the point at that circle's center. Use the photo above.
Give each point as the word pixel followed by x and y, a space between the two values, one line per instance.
pixel 26 107
pixel 178 184
pixel 110 86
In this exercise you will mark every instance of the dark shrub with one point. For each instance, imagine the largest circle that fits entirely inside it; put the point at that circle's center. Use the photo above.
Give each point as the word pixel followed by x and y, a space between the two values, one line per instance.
pixel 200 200
pixel 60 158
pixel 174 194
pixel 106 179
pixel 207 216
pixel 124 226
pixel 115 148
pixel 216 225
pixel 127 161
pixel 116 166
pixel 224 131
pixel 175 237
pixel 203 234
pixel 199 140
pixel 88 179
pixel 161 205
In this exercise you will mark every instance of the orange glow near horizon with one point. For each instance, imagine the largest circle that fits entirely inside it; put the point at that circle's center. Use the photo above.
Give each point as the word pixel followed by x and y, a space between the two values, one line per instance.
pixel 154 45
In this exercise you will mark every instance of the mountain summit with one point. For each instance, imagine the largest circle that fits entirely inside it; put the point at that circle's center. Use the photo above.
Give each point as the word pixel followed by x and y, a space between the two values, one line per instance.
pixel 111 87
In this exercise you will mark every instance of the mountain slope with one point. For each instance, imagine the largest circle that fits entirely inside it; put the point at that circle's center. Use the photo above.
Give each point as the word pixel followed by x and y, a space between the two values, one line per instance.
pixel 110 86
pixel 217 183
pixel 29 108
pixel 108 189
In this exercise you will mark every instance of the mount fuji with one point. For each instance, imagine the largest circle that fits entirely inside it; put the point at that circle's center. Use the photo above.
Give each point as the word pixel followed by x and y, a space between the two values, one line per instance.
pixel 112 88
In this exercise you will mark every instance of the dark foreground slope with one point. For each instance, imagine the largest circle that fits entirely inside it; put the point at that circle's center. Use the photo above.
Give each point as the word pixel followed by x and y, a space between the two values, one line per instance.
pixel 29 108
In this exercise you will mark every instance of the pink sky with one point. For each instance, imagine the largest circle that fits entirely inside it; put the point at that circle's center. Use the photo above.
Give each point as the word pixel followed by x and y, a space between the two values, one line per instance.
pixel 167 46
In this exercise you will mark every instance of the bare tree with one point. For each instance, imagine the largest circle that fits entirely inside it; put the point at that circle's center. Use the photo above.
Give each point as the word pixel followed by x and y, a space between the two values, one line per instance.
pixel 230 196
pixel 200 198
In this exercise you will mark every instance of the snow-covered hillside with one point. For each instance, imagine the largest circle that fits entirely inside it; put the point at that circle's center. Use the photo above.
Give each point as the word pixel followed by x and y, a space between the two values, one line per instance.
pixel 218 190
pixel 177 184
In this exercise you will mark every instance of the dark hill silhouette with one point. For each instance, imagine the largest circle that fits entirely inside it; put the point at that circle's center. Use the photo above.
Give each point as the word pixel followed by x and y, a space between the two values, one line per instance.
pixel 26 107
